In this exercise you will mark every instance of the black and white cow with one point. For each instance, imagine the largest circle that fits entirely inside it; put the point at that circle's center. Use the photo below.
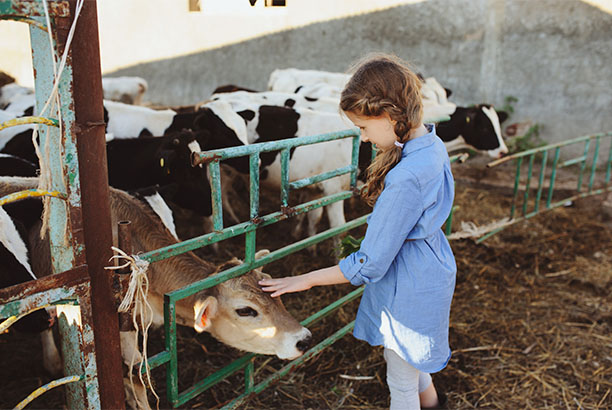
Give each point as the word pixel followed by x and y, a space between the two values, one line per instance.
pixel 137 163
pixel 128 90
pixel 477 127
pixel 262 123
pixel 16 220
pixel 294 79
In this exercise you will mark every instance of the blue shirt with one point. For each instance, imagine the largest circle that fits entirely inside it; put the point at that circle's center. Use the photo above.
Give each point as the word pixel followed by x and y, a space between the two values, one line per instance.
pixel 409 285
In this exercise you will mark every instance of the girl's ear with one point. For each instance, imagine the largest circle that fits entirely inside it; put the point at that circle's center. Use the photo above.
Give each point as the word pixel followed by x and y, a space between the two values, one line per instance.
pixel 205 310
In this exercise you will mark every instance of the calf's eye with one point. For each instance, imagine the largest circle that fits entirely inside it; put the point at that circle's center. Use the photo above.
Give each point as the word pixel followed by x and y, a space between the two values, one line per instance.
pixel 246 311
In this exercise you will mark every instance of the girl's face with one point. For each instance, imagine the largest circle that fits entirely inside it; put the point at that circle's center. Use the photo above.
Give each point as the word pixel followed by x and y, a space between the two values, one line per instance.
pixel 377 130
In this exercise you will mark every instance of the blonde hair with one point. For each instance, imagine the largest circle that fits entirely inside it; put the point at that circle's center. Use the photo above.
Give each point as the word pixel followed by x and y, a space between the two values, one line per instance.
pixel 384 84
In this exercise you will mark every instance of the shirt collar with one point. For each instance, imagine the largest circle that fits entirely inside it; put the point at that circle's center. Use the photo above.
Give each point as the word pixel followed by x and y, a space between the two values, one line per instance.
pixel 420 142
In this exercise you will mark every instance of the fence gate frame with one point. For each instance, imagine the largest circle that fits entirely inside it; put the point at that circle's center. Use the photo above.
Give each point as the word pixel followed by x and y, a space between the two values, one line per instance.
pixel 557 163
pixel 79 210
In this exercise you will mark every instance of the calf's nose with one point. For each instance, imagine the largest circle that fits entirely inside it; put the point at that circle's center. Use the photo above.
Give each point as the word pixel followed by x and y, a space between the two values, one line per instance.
pixel 304 344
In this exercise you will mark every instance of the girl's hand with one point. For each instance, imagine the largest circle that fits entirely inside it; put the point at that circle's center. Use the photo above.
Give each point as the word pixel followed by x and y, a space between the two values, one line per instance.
pixel 326 276
pixel 287 284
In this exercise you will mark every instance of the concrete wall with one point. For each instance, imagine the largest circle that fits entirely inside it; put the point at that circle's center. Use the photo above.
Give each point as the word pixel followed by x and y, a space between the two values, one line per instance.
pixel 555 56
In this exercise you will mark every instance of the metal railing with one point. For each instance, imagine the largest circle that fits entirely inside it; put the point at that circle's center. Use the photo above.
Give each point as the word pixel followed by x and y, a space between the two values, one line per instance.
pixel 541 198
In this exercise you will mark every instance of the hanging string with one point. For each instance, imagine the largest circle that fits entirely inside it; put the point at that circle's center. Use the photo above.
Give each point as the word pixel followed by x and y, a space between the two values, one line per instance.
pixel 136 294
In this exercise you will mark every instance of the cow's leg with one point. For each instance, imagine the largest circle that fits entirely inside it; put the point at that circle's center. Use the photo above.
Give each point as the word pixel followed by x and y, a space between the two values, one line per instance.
pixel 52 361
pixel 136 394
pixel 129 348
pixel 313 218
pixel 135 391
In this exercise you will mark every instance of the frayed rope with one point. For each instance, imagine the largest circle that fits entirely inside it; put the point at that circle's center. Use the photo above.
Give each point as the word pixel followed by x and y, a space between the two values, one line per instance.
pixel 471 230
pixel 137 292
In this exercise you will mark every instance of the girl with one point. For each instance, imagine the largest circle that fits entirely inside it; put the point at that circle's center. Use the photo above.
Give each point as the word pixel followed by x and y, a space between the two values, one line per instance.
pixel 405 260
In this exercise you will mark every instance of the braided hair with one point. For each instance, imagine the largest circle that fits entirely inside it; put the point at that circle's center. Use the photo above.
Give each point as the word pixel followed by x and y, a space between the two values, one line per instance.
pixel 384 84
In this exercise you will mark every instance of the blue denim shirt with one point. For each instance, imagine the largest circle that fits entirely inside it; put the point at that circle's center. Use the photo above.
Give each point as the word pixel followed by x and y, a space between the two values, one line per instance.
pixel 409 285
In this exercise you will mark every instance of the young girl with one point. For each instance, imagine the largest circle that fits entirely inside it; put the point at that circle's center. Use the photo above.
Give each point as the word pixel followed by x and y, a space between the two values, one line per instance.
pixel 405 260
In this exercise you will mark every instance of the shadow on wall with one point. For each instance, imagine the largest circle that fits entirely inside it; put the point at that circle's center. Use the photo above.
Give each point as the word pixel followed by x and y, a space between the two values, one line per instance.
pixel 552 56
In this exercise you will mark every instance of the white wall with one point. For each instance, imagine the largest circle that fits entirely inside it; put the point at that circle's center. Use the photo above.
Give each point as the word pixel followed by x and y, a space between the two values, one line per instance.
pixel 140 31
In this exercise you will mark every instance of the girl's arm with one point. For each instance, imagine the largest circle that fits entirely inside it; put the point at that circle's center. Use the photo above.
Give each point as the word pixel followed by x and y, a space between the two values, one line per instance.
pixel 326 276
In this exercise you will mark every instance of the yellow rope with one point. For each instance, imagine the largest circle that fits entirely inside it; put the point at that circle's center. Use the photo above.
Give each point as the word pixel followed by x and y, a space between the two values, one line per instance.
pixel 29 120
pixel 46 388
pixel 12 319
pixel 30 193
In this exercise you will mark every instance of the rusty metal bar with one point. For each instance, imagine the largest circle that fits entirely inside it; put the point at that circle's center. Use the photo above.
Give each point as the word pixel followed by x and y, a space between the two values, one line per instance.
pixel 91 148
pixel 65 279
pixel 28 8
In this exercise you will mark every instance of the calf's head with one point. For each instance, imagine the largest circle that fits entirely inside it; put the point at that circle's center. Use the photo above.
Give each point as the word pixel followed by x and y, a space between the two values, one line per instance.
pixel 239 314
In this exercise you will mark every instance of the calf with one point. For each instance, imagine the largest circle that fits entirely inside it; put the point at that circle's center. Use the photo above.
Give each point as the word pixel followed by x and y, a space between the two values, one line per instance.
pixel 136 163
pixel 128 90
pixel 13 166
pixel 290 79
pixel 283 99
pixel 236 312
pixel 16 219
pixel 477 127
pixel 271 123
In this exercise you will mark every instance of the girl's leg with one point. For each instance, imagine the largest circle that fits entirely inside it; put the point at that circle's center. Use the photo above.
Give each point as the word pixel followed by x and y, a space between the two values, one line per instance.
pixel 403 381
pixel 427 391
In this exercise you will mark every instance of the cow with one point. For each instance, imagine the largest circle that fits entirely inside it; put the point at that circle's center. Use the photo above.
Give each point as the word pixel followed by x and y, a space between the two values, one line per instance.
pixel 290 79
pixel 12 91
pixel 283 99
pixel 273 122
pixel 128 90
pixel 13 166
pixel 477 127
pixel 263 123
pixel 236 312
pixel 16 219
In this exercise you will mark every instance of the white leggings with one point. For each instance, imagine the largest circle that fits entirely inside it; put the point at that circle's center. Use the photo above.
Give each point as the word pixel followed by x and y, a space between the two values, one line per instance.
pixel 405 382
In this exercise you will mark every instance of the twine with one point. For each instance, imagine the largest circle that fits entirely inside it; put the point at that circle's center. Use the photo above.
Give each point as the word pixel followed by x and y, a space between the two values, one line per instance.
pixel 137 292
pixel 471 230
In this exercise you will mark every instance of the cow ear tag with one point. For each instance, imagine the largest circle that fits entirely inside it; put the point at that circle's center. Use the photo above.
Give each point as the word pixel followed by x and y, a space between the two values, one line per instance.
pixel 161 162
pixel 467 119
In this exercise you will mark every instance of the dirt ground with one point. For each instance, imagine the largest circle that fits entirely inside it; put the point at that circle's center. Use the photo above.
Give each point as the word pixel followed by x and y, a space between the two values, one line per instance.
pixel 531 320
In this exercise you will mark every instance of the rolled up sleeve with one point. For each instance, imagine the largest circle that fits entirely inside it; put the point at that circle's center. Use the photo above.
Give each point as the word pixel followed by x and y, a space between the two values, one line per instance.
pixel 395 214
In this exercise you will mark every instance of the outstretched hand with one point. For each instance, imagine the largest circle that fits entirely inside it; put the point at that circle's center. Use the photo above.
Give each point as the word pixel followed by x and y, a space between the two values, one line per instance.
pixel 285 285
pixel 326 276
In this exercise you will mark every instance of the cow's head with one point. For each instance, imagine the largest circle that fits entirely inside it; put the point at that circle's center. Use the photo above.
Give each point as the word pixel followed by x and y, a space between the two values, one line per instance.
pixel 477 127
pixel 239 314
pixel 174 166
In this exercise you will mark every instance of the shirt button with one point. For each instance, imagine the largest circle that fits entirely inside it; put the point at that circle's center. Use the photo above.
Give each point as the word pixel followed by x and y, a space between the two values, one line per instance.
pixel 361 260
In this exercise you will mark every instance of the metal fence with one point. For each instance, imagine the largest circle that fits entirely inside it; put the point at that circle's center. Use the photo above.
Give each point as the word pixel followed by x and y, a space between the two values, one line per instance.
pixel 528 201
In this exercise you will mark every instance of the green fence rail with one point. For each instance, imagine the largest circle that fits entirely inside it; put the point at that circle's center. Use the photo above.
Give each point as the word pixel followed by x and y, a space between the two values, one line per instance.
pixel 542 198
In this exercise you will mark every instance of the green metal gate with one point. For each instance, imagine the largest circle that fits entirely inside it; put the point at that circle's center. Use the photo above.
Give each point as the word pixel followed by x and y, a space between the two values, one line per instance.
pixel 540 199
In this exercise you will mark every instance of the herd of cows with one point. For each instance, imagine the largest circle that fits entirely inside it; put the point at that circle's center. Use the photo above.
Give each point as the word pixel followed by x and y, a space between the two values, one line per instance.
pixel 149 151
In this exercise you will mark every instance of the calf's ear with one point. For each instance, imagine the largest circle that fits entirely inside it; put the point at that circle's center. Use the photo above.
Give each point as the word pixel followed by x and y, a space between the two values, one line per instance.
pixel 205 310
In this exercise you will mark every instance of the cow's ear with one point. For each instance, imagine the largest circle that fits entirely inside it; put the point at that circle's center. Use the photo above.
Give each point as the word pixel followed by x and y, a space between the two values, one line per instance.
pixel 260 254
pixel 205 310
pixel 502 115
